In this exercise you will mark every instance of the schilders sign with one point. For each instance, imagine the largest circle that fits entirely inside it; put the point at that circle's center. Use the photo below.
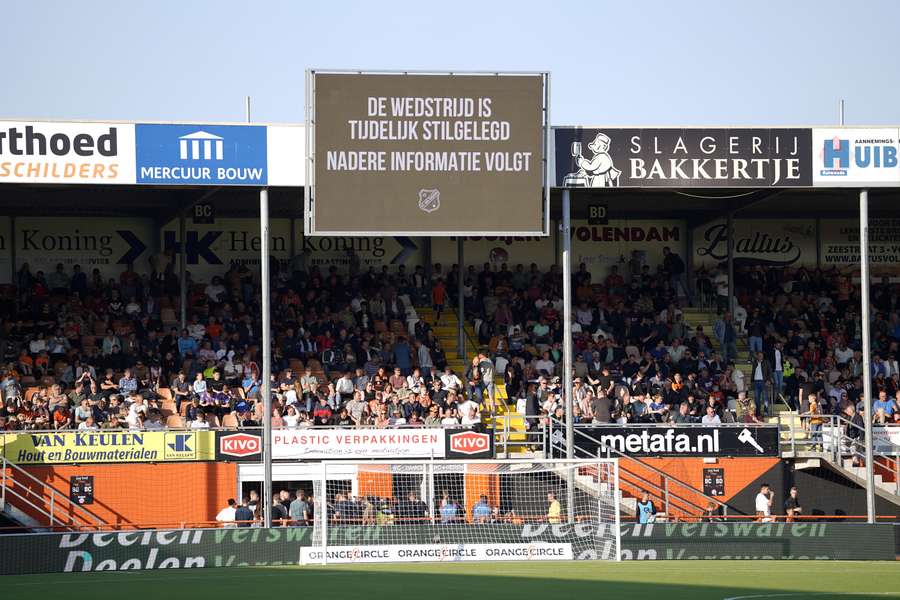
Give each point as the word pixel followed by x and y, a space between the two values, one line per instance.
pixel 753 158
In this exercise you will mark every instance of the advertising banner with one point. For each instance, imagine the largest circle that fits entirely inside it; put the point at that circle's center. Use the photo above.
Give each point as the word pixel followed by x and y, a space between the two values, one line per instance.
pixel 840 243
pixel 766 242
pixel 497 250
pixel 357 443
pixel 682 158
pixel 436 553
pixel 206 548
pixel 440 154
pixel 375 252
pixel 201 154
pixel 151 153
pixel 212 248
pixel 67 153
pixel 103 243
pixel 856 157
pixel 684 441
pixel 621 240
pixel 81 447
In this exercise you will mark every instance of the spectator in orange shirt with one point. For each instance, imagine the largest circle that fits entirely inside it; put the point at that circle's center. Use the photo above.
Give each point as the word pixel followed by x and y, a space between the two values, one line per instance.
pixel 438 296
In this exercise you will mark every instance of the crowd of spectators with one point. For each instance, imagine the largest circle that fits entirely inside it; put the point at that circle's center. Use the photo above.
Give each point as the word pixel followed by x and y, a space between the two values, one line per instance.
pixel 86 352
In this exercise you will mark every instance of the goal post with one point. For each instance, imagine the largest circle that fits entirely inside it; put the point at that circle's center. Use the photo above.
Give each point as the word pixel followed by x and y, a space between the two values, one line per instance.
pixel 451 511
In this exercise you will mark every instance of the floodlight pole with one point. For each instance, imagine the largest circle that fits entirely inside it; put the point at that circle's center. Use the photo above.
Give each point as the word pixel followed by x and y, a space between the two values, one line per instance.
pixel 866 350
pixel 266 391
pixel 566 233
pixel 731 288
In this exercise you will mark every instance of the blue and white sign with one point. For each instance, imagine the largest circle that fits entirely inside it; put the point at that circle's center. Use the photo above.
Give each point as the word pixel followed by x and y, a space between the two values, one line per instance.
pixel 856 157
pixel 201 154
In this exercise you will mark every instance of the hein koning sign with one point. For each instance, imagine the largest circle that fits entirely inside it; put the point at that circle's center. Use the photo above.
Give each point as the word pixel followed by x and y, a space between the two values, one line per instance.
pixel 435 154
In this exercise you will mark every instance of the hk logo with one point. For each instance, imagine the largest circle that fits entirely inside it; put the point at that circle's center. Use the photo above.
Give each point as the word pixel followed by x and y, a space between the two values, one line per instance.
pixel 180 443
pixel 200 145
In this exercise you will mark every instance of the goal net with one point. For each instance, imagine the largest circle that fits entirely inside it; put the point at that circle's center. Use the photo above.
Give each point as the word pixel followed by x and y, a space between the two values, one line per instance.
pixel 465 511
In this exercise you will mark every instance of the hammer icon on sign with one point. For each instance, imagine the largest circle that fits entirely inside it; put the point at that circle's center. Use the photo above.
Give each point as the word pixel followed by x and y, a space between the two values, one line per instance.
pixel 746 437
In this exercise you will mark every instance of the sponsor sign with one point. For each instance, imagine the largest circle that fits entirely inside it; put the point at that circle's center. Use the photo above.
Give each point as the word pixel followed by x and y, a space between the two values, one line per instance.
pixel 107 244
pixel 199 548
pixel 856 157
pixel 497 250
pixel 656 440
pixel 237 446
pixel 840 243
pixel 598 214
pixel 212 248
pixel 80 447
pixel 372 252
pixel 621 240
pixel 610 158
pixel 469 444
pixel 414 153
pixel 303 444
pixel 885 440
pixel 767 242
pixel 67 153
pixel 436 553
pixel 201 154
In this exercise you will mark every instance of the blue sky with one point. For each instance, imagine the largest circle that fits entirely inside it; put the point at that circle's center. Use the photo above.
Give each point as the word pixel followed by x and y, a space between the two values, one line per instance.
pixel 613 63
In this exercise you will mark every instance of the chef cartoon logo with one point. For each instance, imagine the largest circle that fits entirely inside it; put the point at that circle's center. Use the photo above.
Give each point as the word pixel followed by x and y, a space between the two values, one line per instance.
pixel 596 171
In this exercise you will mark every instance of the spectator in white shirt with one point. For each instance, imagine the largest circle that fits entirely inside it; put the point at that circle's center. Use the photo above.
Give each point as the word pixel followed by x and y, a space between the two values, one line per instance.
pixel 226 515
pixel 450 381
pixel 711 418
pixel 199 422
pixel 764 504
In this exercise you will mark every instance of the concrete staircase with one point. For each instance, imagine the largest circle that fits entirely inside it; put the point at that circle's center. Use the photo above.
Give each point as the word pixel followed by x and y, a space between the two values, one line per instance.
pixel 707 318
pixel 505 418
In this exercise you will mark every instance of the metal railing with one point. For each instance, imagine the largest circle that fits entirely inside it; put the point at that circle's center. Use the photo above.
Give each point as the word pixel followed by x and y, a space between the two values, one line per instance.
pixel 59 510
pixel 831 439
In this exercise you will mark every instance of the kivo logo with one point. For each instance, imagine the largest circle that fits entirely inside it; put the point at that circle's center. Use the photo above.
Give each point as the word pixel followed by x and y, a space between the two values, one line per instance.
pixel 239 445
pixel 470 442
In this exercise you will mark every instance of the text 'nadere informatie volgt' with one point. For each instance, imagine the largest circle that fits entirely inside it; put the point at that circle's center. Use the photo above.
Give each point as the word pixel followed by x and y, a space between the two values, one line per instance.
pixel 429 120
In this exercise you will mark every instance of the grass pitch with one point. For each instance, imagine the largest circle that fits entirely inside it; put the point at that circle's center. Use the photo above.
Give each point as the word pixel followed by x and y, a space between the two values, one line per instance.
pixel 650 580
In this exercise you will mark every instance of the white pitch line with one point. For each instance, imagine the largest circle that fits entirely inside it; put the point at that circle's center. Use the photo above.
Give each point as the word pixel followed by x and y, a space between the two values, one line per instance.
pixel 805 594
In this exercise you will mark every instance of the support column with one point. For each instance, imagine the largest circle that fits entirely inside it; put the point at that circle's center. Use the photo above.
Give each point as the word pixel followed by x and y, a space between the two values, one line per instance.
pixel 566 233
pixel 182 268
pixel 266 350
pixel 731 287
pixel 460 301
pixel 866 349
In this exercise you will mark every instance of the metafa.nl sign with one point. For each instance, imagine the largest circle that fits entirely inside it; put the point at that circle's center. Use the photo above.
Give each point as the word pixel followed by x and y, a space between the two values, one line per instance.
pixel 753 158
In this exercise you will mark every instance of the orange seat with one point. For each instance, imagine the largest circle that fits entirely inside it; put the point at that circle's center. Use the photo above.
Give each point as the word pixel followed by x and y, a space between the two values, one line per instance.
pixel 174 422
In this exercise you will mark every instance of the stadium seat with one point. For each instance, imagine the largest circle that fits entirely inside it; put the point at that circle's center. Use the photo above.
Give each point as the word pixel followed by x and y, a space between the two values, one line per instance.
pixel 229 421
pixel 174 422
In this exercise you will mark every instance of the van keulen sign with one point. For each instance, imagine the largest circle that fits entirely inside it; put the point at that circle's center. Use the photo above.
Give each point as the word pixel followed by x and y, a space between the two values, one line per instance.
pixel 755 158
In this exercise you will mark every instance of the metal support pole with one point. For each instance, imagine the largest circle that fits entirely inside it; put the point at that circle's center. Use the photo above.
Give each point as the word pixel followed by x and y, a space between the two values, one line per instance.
pixel 566 233
pixel 460 300
pixel 182 268
pixel 266 353
pixel 866 350
pixel 731 290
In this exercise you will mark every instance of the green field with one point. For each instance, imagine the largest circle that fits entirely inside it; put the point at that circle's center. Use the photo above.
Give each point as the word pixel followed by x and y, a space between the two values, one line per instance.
pixel 651 580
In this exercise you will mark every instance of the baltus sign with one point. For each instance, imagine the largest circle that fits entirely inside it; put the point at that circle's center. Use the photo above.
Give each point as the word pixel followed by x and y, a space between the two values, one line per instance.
pixel 442 154
pixel 683 157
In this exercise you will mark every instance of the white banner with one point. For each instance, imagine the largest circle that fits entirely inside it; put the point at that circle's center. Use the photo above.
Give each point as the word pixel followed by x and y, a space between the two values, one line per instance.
pixel 856 157
pixel 436 553
pixel 45 152
pixel 885 440
pixel 359 443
